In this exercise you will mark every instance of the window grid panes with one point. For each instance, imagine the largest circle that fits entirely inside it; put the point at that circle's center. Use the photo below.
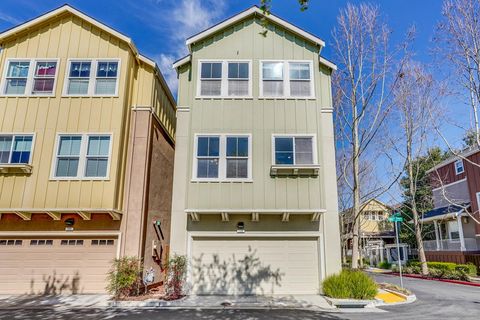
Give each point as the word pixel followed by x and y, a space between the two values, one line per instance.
pixel 17 76
pixel 272 78
pixel 106 79
pixel 237 157
pixel 300 79
pixel 44 77
pixel 79 77
pixel 15 149
pixel 238 79
pixel 97 156
pixel 459 167
pixel 208 156
pixel 293 150
pixel 68 156
pixel 211 79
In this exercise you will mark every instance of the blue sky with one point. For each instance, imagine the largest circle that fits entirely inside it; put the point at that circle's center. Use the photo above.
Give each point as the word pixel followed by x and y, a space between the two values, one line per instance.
pixel 159 27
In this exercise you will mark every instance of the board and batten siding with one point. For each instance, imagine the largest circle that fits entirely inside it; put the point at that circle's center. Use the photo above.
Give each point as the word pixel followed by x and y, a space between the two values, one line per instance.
pixel 65 37
pixel 260 117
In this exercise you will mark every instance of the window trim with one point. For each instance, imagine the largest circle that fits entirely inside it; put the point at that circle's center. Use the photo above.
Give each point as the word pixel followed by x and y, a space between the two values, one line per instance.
pixel 224 79
pixel 92 80
pixel 30 77
pixel 222 156
pixel 296 135
pixel 286 80
pixel 13 134
pixel 82 156
pixel 457 172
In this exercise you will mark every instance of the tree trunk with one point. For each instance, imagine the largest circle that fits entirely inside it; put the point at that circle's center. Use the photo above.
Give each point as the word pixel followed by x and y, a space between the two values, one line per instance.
pixel 356 193
pixel 413 204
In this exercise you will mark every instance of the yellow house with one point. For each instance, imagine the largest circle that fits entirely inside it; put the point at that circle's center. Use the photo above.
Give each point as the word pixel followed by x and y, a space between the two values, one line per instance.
pixel 375 229
pixel 87 129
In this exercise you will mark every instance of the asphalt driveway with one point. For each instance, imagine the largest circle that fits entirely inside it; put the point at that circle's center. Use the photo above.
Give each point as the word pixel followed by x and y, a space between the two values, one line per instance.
pixel 436 300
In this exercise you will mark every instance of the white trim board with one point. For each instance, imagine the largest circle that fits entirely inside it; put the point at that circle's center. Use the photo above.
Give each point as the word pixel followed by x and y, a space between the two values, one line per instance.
pixel 244 14
pixel 450 184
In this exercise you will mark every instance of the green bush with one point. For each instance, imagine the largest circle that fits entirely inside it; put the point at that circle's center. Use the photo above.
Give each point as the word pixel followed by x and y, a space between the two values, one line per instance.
pixel 350 285
pixel 176 270
pixel 385 265
pixel 469 268
pixel 125 277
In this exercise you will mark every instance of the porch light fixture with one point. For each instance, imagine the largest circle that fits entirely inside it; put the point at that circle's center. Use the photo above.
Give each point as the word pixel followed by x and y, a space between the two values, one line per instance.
pixel 240 227
pixel 69 224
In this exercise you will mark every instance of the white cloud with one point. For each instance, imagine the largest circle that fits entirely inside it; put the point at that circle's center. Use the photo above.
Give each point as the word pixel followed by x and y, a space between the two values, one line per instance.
pixel 10 19
pixel 179 19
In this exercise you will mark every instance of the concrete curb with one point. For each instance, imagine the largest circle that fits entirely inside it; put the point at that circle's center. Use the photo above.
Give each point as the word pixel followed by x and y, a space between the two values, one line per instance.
pixel 415 276
pixel 408 299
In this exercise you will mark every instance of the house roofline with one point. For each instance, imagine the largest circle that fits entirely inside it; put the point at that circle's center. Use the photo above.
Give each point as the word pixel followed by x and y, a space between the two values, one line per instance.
pixel 463 154
pixel 245 13
pixel 67 8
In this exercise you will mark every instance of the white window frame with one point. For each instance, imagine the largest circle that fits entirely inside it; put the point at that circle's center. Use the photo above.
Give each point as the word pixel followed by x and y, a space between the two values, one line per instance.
pixel 31 74
pixel 286 80
pixel 82 156
pixel 457 171
pixel 224 79
pixel 13 134
pixel 454 222
pixel 296 135
pixel 222 155
pixel 92 81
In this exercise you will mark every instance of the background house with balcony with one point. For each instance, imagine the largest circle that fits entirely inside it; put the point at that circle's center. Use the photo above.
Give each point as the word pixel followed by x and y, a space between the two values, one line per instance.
pixel 86 155
pixel 375 229
pixel 455 186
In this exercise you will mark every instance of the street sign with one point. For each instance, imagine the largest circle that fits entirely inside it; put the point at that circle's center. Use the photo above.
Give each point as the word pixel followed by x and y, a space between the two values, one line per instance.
pixel 395 219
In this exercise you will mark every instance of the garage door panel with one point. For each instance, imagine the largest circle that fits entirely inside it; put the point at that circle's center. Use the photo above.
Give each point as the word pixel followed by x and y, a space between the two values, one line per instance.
pixel 78 268
pixel 255 266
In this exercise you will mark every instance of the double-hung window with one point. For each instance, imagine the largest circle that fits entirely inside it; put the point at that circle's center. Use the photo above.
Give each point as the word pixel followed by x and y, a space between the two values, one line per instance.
pixel 459 167
pixel 224 79
pixel 92 78
pixel 17 77
pixel 222 158
pixel 286 79
pixel 44 77
pixel 15 149
pixel 30 77
pixel 294 150
pixel 82 156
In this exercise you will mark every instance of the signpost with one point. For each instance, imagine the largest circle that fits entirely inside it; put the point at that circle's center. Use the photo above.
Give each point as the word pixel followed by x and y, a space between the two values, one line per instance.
pixel 397 218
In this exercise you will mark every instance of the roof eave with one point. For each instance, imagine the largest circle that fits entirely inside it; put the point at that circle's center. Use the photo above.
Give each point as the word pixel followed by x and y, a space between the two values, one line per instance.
pixel 242 15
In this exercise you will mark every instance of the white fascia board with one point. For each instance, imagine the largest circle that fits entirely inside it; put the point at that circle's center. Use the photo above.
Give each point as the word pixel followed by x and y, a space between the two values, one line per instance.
pixel 181 62
pixel 247 13
pixel 327 63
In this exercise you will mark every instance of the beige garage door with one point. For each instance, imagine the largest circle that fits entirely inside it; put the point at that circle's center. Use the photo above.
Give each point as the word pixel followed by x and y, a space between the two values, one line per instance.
pixel 246 266
pixel 55 266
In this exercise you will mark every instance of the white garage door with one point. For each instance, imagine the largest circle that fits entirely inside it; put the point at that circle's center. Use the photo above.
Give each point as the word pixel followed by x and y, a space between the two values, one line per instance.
pixel 55 266
pixel 243 266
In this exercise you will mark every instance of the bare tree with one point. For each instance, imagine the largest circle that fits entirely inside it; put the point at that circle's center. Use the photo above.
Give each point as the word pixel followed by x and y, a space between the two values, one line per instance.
pixel 416 97
pixel 458 45
pixel 362 93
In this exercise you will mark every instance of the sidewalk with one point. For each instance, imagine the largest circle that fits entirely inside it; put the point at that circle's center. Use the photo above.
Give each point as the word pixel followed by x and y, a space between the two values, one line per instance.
pixel 312 302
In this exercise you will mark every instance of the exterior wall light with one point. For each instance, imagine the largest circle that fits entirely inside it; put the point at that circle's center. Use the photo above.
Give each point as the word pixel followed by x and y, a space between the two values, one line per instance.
pixel 240 227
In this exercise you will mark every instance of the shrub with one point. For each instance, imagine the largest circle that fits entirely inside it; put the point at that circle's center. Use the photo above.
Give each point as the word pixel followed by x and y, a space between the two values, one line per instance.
pixel 468 269
pixel 350 285
pixel 125 277
pixel 385 265
pixel 176 269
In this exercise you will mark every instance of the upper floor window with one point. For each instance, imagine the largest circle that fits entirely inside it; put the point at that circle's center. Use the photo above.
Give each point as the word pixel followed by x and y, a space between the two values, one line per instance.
pixel 286 79
pixel 15 149
pixel 82 156
pixel 294 150
pixel 222 157
pixel 30 77
pixel 224 79
pixel 459 167
pixel 92 77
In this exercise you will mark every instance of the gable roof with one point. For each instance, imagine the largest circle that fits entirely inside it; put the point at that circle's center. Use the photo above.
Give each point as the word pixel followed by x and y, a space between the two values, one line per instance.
pixel 68 9
pixel 254 10
pixel 246 13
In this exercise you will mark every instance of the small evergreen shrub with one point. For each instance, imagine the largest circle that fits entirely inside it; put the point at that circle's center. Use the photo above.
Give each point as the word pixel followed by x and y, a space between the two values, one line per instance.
pixel 385 265
pixel 449 267
pixel 125 277
pixel 350 285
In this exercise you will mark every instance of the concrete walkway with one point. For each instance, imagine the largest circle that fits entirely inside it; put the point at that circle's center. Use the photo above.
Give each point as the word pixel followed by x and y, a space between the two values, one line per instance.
pixel 313 302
